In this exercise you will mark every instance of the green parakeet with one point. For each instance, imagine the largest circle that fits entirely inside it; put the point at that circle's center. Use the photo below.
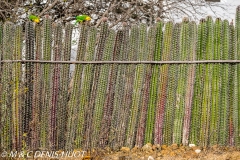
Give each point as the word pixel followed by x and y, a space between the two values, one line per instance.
pixel 82 18
pixel 34 18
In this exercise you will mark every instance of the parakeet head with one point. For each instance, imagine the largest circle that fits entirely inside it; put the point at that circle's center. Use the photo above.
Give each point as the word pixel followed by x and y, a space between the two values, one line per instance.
pixel 88 18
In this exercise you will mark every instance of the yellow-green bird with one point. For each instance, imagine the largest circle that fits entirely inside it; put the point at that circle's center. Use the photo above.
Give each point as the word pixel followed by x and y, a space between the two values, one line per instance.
pixel 82 18
pixel 34 18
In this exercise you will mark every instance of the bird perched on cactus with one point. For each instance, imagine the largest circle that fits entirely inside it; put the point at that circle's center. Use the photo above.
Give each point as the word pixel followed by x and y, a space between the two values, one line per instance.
pixel 82 18
pixel 34 18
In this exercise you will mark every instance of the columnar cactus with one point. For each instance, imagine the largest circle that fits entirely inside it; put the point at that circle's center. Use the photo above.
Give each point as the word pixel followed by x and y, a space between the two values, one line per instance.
pixel 85 89
pixel 129 81
pixel 237 78
pixel 146 88
pixel 98 56
pixel 190 82
pixel 16 98
pixel 224 100
pixel 137 87
pixel 162 88
pixel 36 97
pixel 198 85
pixel 28 83
pixel 231 87
pixel 102 89
pixel 116 137
pixel 215 100
pixel 63 93
pixel 154 83
pixel 181 88
pixel 108 105
pixel 45 116
pixel 1 50
pixel 73 105
pixel 172 86
pixel 6 89
pixel 54 93
pixel 206 103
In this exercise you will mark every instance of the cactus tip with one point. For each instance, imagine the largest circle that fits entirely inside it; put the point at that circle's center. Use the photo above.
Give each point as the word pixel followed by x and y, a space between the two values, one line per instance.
pixel 238 8
pixel 185 19
pixel 202 20
pixel 209 18
pixel 124 24
pixel 158 19
pixel 104 19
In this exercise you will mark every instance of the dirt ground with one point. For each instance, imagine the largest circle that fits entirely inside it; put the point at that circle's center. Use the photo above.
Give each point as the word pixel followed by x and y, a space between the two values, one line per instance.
pixel 173 152
pixel 157 152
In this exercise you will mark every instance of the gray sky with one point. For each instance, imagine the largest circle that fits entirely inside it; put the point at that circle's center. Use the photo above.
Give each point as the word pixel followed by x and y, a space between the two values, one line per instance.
pixel 231 6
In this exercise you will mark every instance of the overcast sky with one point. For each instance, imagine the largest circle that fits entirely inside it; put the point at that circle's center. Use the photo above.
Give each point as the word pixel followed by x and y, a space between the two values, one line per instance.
pixel 231 9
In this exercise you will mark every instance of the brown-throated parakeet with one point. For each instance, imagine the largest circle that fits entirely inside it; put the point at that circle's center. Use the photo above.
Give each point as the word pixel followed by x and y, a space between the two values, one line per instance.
pixel 34 18
pixel 82 18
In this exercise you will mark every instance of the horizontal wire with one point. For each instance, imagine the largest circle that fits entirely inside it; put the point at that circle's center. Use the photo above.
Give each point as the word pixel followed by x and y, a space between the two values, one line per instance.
pixel 122 62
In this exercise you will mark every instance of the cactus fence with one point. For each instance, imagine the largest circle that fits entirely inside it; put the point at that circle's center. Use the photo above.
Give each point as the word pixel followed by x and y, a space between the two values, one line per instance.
pixel 163 84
